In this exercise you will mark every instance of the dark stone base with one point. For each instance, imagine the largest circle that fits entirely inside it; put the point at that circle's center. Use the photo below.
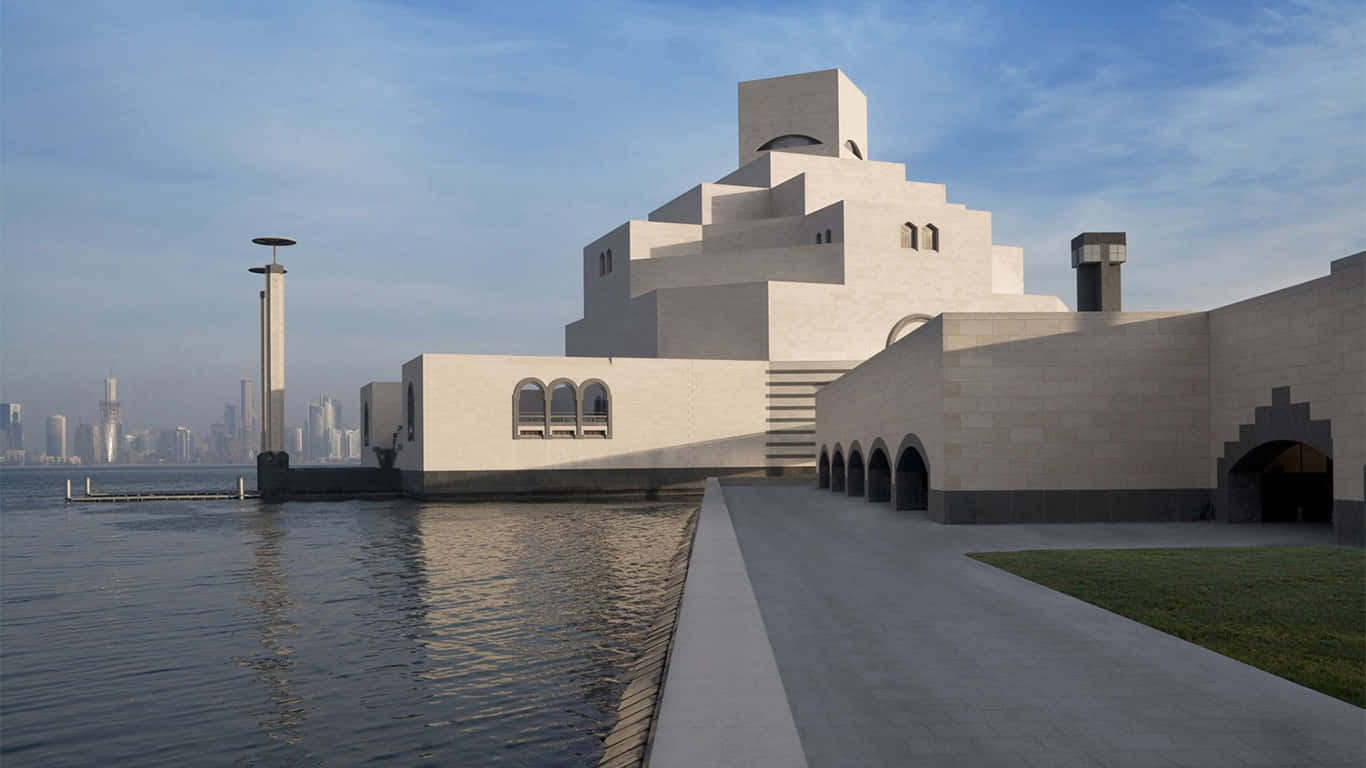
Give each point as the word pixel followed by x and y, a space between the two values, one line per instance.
pixel 1349 522
pixel 1071 506
pixel 277 482
pixel 568 484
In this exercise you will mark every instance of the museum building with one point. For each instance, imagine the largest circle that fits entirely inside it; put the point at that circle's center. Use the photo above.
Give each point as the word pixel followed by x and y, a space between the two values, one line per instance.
pixel 813 313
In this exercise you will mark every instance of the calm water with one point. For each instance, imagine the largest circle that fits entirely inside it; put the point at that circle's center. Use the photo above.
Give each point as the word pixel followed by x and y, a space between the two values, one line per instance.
pixel 315 633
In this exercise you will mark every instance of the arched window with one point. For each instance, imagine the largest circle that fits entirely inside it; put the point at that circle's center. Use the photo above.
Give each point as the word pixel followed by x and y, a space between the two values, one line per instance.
pixel 818 238
pixel 564 409
pixel 932 234
pixel 788 141
pixel 910 236
pixel 365 425
pixel 827 237
pixel 529 409
pixel 597 410
pixel 412 414
pixel 609 261
pixel 853 149
pixel 602 263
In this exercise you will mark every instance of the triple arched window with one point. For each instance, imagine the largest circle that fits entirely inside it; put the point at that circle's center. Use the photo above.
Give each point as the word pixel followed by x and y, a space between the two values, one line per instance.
pixel 912 236
pixel 561 409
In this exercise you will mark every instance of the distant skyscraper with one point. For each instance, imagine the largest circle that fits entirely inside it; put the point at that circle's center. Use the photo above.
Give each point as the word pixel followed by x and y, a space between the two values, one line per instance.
pixel 184 445
pixel 294 442
pixel 56 436
pixel 88 443
pixel 230 420
pixel 247 413
pixel 329 413
pixel 111 422
pixel 351 439
pixel 12 424
pixel 317 434
pixel 334 444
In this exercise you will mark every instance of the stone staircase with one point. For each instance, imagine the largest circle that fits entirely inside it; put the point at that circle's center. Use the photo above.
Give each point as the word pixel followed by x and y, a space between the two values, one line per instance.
pixel 792 386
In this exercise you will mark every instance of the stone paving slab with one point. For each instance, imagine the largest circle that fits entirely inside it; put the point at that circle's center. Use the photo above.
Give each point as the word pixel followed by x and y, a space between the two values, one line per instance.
pixel 896 649
pixel 723 702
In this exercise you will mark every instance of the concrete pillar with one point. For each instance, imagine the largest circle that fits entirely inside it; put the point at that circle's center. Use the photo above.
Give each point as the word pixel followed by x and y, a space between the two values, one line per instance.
pixel 272 358
pixel 1098 257
pixel 274 373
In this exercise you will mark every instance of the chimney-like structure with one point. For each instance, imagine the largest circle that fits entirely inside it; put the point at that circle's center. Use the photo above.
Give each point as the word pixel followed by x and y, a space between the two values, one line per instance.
pixel 1098 257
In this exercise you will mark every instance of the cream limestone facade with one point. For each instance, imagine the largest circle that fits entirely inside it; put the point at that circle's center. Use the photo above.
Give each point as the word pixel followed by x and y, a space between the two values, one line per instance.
pixel 714 322
pixel 814 309
pixel 1031 417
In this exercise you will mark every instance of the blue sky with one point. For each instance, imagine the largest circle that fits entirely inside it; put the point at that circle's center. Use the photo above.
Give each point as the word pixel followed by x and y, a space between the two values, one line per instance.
pixel 443 164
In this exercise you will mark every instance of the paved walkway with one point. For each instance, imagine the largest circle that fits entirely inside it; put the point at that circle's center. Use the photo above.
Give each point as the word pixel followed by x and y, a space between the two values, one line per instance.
pixel 894 649
pixel 723 703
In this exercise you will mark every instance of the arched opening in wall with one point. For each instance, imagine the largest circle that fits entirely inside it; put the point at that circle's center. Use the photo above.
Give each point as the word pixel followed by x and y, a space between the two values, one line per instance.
pixel 788 141
pixel 365 425
pixel 412 414
pixel 609 261
pixel 853 149
pixel 564 409
pixel 905 325
pixel 823 470
pixel 879 476
pixel 1282 482
pixel 837 472
pixel 597 410
pixel 910 236
pixel 529 409
pixel 818 238
pixel 827 237
pixel 932 235
pixel 855 479
pixel 912 480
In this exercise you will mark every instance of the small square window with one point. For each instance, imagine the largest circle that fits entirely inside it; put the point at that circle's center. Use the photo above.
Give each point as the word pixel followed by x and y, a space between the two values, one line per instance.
pixel 1118 254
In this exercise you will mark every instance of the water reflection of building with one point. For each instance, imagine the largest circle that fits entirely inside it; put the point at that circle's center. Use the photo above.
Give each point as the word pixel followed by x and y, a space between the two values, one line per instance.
pixel 270 600
pixel 555 596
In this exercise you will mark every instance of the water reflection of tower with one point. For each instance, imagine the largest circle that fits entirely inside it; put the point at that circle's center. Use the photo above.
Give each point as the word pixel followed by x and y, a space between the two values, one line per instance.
pixel 271 602
pixel 111 422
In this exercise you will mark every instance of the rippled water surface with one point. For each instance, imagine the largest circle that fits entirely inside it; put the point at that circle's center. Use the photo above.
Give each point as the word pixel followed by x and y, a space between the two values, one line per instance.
pixel 336 633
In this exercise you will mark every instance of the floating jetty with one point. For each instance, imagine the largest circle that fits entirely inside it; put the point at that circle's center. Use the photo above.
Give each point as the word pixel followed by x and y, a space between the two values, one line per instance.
pixel 91 496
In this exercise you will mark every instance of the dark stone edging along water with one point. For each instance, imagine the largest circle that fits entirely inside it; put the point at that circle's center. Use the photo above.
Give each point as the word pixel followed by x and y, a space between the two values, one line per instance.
pixel 628 743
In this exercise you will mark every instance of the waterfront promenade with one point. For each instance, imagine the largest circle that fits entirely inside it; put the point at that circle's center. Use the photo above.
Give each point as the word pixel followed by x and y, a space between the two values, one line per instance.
pixel 892 648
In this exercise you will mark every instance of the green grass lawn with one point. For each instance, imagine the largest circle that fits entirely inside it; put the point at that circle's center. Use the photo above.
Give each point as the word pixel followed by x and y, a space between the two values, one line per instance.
pixel 1296 612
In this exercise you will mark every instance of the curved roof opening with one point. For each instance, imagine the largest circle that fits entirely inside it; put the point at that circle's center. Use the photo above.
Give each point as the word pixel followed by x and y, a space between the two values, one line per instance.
pixel 789 140
pixel 853 147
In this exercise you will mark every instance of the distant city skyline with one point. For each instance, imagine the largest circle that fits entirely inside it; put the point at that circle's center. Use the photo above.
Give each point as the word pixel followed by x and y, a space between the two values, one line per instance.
pixel 107 439
pixel 1223 137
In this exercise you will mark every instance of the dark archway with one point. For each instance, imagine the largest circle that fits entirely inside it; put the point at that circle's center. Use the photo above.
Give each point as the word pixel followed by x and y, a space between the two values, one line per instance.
pixel 1282 481
pixel 1246 495
pixel 823 470
pixel 837 472
pixel 856 476
pixel 912 480
pixel 879 476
